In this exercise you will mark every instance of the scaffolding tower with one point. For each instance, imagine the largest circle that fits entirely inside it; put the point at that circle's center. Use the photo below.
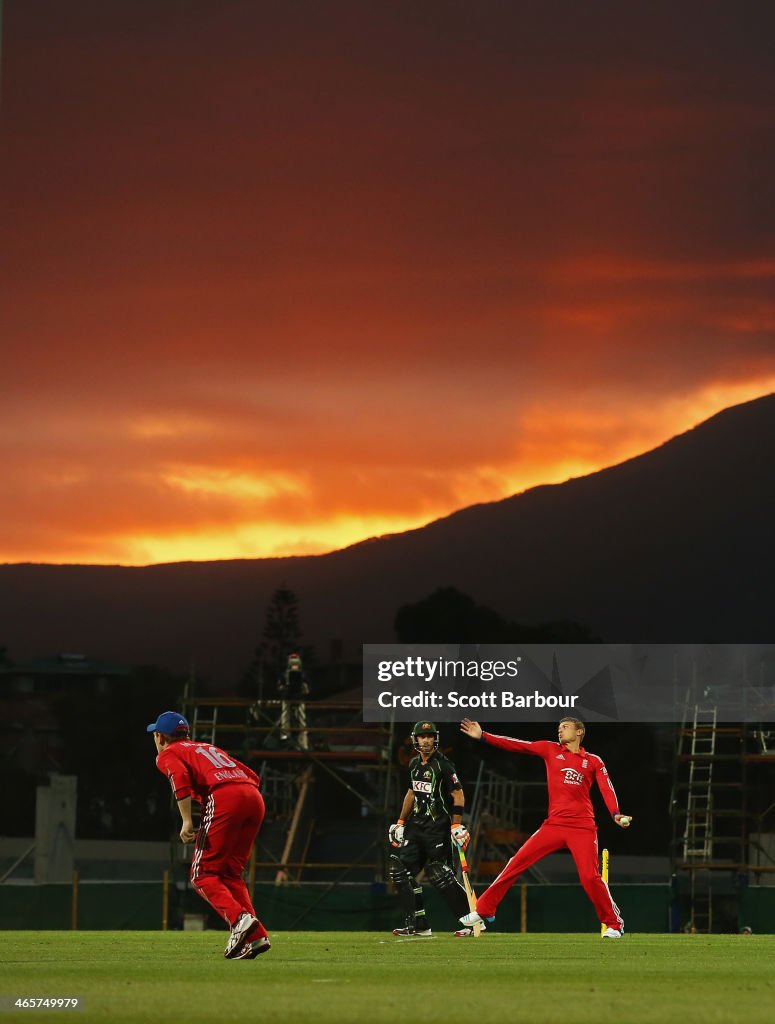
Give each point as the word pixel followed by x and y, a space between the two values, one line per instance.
pixel 339 746
pixel 502 816
pixel 719 813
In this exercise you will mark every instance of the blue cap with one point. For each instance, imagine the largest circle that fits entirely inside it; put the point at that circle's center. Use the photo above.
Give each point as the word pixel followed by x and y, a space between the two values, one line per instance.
pixel 169 722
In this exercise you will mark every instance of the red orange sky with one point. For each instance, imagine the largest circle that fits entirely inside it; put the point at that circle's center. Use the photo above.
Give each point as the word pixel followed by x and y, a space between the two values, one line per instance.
pixel 280 276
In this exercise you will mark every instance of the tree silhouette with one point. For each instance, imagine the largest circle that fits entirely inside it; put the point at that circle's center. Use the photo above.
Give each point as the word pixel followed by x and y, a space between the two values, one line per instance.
pixel 448 616
pixel 281 636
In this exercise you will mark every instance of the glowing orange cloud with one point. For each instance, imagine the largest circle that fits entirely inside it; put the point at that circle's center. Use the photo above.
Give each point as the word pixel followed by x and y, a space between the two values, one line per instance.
pixel 278 301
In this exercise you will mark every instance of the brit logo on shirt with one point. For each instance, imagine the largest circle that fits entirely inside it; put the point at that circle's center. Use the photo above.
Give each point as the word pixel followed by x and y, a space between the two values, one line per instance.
pixel 572 777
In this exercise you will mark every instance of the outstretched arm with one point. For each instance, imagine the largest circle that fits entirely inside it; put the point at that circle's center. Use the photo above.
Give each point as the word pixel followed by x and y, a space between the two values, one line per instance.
pixel 540 748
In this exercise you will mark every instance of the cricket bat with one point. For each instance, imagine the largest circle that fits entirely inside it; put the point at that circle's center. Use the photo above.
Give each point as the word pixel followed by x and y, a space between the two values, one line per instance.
pixel 604 876
pixel 469 890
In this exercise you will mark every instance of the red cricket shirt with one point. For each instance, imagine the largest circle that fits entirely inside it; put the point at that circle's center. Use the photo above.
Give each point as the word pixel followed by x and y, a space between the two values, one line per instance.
pixel 196 769
pixel 569 777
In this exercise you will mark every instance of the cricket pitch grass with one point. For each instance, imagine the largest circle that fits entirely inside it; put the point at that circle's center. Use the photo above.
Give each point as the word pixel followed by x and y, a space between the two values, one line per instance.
pixel 373 978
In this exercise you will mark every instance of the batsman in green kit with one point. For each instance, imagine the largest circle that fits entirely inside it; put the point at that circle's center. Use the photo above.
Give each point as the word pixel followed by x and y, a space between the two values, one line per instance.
pixel 431 821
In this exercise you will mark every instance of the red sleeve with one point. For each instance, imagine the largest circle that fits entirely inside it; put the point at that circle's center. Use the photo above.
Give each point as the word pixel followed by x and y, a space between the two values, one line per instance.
pixel 606 787
pixel 537 747
pixel 177 773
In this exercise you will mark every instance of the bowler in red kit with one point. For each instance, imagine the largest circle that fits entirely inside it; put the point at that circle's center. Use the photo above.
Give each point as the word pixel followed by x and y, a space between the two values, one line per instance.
pixel 570 824
pixel 233 810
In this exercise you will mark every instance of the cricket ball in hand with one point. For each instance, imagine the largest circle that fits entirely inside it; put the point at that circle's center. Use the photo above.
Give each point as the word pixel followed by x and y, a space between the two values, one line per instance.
pixel 625 819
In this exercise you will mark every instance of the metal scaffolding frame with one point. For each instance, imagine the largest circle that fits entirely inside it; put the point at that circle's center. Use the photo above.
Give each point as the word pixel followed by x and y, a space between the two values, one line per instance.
pixel 712 811
pixel 339 746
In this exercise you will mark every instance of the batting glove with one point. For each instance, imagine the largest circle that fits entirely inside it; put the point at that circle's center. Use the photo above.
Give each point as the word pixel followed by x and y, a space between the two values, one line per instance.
pixel 396 834
pixel 461 836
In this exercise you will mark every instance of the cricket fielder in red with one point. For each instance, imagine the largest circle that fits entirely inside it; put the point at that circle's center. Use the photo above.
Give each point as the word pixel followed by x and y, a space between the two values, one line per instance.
pixel 570 824
pixel 233 810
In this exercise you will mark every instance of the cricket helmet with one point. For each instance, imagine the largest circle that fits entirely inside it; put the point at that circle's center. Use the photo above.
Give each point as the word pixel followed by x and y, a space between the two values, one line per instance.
pixel 425 728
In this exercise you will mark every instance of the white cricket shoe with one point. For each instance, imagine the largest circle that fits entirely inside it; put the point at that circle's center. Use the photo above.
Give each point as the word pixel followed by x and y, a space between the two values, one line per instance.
pixel 421 933
pixel 244 924
pixel 469 920
pixel 253 949
pixel 463 933
pixel 611 933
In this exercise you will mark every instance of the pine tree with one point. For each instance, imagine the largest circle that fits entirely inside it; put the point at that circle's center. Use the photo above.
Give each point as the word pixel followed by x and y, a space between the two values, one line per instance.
pixel 281 636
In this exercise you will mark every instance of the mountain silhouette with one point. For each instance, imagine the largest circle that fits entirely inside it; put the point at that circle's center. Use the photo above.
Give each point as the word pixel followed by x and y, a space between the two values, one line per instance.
pixel 671 546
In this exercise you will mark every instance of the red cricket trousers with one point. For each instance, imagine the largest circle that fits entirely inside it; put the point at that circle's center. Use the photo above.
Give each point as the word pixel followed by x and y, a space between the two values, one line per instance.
pixel 231 819
pixel 582 843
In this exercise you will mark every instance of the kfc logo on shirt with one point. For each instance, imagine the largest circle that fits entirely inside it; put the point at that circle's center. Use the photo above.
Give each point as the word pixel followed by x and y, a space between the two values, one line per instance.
pixel 421 787
pixel 572 777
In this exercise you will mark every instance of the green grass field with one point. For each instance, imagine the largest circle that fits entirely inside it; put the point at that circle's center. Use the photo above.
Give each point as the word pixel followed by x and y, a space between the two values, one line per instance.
pixel 370 977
